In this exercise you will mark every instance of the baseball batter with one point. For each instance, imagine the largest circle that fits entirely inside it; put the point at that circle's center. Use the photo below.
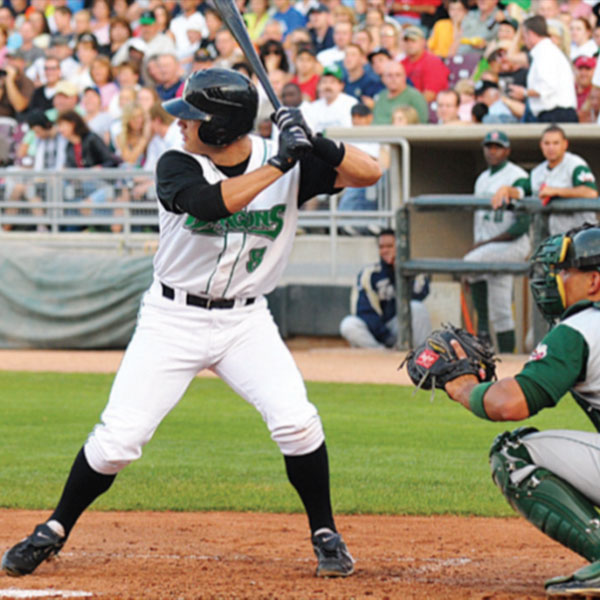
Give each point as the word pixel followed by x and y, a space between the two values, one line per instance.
pixel 228 212
pixel 551 477
pixel 500 236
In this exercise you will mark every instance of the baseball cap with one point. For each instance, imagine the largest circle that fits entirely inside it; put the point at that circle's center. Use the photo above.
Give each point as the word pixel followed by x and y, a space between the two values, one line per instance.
pixel 482 85
pixel 585 62
pixel 89 38
pixel 496 137
pixel 413 32
pixel 92 88
pixel 202 55
pixel 59 40
pixel 512 22
pixel 147 18
pixel 319 8
pixel 360 110
pixel 16 53
pixel 379 50
pixel 67 88
pixel 334 71
pixel 138 44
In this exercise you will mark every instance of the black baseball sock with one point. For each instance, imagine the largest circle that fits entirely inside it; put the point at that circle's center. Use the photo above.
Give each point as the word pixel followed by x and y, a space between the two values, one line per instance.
pixel 83 486
pixel 479 293
pixel 309 474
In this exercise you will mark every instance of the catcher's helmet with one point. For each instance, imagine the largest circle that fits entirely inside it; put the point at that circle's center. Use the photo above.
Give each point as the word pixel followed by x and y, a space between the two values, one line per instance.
pixel 225 102
pixel 579 248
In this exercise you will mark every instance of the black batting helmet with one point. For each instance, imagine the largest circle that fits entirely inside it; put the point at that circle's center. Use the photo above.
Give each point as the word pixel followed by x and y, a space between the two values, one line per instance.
pixel 224 100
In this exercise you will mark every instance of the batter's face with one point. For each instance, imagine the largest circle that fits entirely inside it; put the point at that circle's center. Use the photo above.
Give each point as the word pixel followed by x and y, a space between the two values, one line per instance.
pixel 191 141
pixel 495 154
pixel 387 248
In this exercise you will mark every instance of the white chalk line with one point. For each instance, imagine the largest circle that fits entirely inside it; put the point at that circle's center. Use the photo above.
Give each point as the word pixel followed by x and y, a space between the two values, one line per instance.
pixel 50 593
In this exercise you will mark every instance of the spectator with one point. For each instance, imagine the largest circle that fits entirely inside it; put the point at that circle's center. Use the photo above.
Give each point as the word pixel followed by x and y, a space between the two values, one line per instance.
pixel 156 42
pixel 100 23
pixel 63 23
pixel 213 24
pixel 444 39
pixel 170 77
pixel 582 43
pixel 577 9
pixel 342 36
pixel 332 109
pixel 40 27
pixel 307 73
pixel 229 51
pixel 165 135
pixel 559 34
pixel 202 60
pixel 98 119
pixel 273 56
pixel 590 111
pixel 479 110
pixel 479 27
pixel 256 18
pixel 147 97
pixel 82 20
pixel 41 99
pixel 102 78
pixel 561 175
pixel 187 29
pixel 378 59
pixel 27 48
pixel 488 93
pixel 466 91
pixel 66 98
pixel 303 6
pixel 404 115
pixel 361 82
pixel 426 71
pixel 132 141
pixel 3 47
pixel 289 17
pixel 87 52
pixel 119 34
pixel 16 89
pixel 291 95
pixel 390 37
pixel 61 50
pixel 447 104
pixel 274 30
pixel 363 38
pixel 499 236
pixel 319 26
pixel 163 18
pixel 584 70
pixel 343 14
pixel 373 322
pixel 397 93
pixel 414 12
pixel 550 90
pixel 299 38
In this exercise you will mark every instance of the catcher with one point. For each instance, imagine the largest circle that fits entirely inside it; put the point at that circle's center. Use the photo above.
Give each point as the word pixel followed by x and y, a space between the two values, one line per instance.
pixel 549 477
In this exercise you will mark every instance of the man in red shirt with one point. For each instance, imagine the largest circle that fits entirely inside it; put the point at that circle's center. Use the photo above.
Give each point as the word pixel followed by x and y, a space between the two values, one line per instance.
pixel 426 71
pixel 584 69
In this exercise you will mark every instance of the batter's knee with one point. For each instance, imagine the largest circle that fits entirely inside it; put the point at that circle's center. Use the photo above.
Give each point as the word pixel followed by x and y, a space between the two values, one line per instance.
pixel 296 440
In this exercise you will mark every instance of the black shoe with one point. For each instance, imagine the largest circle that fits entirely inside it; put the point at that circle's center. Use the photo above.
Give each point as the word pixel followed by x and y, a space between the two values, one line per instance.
pixel 25 557
pixel 332 554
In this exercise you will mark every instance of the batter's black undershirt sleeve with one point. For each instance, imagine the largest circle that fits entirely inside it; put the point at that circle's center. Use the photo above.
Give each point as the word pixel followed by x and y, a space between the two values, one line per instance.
pixel 182 188
pixel 316 177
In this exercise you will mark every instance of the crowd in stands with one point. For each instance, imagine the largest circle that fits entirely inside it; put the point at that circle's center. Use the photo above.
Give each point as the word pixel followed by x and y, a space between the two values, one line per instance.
pixel 108 64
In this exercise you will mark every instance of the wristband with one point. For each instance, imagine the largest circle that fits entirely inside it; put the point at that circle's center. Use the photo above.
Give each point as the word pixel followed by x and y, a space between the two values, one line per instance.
pixel 327 150
pixel 476 400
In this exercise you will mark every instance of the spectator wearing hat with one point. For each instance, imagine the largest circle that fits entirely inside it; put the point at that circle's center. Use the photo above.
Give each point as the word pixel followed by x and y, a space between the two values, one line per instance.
pixel 342 36
pixel 202 59
pixel 307 75
pixel 378 59
pixel 397 93
pixel 445 35
pixel 170 76
pixel 156 42
pixel 66 97
pixel 361 81
pixel 479 27
pixel 16 89
pixel 41 99
pixel 288 16
pixel 584 71
pixel 332 109
pixel 256 18
pixel 550 91
pixel 426 71
pixel 187 29
pixel 582 43
pixel 320 29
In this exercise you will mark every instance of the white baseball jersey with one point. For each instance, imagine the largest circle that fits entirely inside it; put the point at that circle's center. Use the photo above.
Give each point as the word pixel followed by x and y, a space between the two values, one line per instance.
pixel 240 256
pixel 571 172
pixel 487 224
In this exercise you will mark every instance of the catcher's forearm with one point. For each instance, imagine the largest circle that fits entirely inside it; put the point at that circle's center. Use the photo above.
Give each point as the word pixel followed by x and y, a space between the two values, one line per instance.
pixel 460 389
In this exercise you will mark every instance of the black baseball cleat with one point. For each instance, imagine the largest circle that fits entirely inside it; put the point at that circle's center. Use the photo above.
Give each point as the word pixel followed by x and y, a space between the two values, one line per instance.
pixel 332 554
pixel 584 583
pixel 25 557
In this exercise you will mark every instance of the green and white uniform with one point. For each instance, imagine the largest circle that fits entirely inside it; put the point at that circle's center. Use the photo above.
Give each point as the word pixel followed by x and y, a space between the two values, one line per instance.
pixel 567 359
pixel 488 224
pixel 572 171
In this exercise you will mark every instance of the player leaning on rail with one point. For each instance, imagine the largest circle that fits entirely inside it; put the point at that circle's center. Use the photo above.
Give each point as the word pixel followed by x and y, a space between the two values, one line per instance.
pixel 553 477
pixel 228 215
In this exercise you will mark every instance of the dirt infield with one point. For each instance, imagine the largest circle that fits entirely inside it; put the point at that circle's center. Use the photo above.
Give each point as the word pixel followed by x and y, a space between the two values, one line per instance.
pixel 264 556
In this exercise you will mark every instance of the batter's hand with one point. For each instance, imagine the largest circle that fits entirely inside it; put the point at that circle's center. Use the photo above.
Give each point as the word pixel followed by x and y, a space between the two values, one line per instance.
pixel 287 117
pixel 293 145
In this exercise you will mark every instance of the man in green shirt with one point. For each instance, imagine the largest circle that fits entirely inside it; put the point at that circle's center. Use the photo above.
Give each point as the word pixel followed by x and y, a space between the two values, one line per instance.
pixel 397 93
pixel 552 477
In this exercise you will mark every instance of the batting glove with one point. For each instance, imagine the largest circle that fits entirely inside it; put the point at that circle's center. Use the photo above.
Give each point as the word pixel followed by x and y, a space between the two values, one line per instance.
pixel 293 145
pixel 287 117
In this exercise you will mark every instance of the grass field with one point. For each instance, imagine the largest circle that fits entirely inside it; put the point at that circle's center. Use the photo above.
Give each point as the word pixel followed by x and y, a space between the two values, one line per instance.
pixel 390 452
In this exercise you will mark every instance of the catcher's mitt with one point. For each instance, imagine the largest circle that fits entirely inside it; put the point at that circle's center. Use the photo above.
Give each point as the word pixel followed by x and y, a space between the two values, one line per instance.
pixel 434 363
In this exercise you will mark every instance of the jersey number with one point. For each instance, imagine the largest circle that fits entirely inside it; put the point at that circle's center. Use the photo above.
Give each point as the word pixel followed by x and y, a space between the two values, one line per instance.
pixel 256 256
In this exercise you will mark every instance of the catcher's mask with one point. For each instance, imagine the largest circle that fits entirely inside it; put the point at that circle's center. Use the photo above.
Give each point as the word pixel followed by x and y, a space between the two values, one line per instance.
pixel 579 248
pixel 224 101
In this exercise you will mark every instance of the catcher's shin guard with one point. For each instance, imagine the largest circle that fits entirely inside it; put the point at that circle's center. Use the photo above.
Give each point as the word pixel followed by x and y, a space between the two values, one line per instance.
pixel 550 503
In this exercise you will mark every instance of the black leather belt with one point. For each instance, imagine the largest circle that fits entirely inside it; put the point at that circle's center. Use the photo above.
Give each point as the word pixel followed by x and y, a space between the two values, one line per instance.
pixel 191 300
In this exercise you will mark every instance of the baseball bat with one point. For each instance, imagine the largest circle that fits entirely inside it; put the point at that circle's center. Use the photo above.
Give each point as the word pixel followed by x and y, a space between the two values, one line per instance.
pixel 235 23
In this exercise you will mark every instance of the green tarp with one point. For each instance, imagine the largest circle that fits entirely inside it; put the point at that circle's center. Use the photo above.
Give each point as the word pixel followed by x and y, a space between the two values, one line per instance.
pixel 69 299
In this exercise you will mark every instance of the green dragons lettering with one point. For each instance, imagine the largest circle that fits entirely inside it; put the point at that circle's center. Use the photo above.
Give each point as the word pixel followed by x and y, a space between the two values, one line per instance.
pixel 267 223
